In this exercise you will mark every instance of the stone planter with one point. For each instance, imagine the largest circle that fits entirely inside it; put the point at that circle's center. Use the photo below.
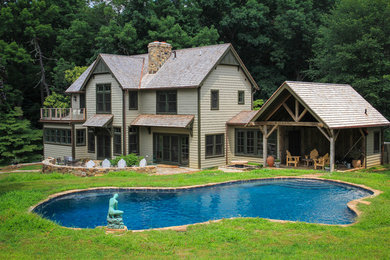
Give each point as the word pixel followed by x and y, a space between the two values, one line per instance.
pixel 49 166
pixel 277 164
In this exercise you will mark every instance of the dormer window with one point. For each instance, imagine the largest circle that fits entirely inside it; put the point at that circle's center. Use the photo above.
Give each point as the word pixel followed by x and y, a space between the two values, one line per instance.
pixel 103 98
pixel 166 102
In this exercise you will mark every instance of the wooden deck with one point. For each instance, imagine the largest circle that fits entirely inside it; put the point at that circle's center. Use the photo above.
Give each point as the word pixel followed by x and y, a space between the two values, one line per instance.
pixel 62 115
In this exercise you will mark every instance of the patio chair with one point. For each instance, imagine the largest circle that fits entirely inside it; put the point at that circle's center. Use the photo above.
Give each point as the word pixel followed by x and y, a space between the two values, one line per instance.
pixel 322 161
pixel 291 159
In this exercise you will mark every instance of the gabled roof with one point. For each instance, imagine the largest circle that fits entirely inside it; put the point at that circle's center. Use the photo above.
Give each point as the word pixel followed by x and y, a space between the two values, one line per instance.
pixel 180 121
pixel 335 105
pixel 186 68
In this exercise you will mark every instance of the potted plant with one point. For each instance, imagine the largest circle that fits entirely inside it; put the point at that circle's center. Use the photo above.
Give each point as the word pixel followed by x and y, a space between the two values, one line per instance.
pixel 355 154
pixel 277 163
pixel 327 167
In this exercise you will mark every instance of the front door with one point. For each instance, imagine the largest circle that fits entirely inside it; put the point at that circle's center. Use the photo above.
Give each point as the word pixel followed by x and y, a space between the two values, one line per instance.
pixel 171 149
pixel 294 142
pixel 103 145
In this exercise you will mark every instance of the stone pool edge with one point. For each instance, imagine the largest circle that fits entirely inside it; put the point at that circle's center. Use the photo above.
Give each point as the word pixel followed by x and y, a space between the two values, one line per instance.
pixel 352 205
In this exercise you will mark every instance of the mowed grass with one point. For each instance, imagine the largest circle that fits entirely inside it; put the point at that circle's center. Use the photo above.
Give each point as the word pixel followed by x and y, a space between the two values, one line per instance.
pixel 26 235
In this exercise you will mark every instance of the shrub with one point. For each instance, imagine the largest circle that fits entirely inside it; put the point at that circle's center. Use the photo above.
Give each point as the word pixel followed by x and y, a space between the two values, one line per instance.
pixel 130 159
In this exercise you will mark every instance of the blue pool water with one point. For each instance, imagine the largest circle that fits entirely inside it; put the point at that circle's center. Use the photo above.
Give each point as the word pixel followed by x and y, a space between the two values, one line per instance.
pixel 305 200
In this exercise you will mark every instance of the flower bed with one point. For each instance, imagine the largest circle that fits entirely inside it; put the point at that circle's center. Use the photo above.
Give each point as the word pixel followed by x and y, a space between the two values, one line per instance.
pixel 50 165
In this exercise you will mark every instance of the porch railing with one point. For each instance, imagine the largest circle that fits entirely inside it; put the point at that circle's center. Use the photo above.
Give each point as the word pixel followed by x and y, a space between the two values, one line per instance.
pixel 63 114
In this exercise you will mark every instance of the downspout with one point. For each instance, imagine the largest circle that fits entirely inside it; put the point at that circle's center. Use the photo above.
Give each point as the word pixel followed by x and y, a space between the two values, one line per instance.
pixel 73 141
pixel 124 120
pixel 227 143
pixel 199 134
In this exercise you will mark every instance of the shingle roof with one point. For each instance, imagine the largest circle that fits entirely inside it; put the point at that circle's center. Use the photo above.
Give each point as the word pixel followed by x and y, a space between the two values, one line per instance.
pixel 337 105
pixel 242 118
pixel 185 68
pixel 76 85
pixel 99 120
pixel 181 121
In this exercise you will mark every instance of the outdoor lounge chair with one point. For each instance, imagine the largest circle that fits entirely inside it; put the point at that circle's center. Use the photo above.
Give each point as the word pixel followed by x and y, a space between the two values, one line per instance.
pixel 310 159
pixel 292 159
pixel 322 161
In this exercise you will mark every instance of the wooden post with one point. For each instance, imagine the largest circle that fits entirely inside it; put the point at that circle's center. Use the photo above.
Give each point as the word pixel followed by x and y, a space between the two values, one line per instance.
pixel 265 145
pixel 332 151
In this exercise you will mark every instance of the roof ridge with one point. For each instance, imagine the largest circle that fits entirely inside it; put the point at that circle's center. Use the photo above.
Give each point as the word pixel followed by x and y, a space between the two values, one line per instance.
pixel 133 56
pixel 318 83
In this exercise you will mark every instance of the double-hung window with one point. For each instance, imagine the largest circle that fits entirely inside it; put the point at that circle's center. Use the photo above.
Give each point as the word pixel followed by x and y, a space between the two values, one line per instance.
pixel 103 98
pixel 214 96
pixel 376 142
pixel 91 141
pixel 80 137
pixel 117 141
pixel 241 97
pixel 166 102
pixel 133 100
pixel 215 145
pixel 133 140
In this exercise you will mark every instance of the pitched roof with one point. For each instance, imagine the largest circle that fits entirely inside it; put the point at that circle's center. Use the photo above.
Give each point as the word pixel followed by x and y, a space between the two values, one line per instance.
pixel 185 68
pixel 76 85
pixel 99 120
pixel 336 105
pixel 242 118
pixel 180 121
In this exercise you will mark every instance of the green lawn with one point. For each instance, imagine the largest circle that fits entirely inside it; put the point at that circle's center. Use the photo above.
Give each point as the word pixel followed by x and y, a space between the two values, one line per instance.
pixel 26 235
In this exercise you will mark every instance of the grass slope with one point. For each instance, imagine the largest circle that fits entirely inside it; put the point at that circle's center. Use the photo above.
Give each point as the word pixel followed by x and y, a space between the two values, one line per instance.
pixel 26 235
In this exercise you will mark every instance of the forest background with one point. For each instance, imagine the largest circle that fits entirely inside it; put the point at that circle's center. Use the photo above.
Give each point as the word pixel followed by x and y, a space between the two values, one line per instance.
pixel 45 44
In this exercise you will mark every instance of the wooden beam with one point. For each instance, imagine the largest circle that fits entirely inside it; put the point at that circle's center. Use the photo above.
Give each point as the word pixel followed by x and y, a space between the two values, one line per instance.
pixel 296 109
pixel 336 135
pixel 261 129
pixel 265 146
pixel 289 111
pixel 272 130
pixel 323 132
pixel 302 114
pixel 285 123
pixel 277 108
pixel 332 151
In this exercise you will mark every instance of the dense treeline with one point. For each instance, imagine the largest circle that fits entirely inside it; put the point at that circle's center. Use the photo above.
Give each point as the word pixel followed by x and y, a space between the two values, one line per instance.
pixel 344 41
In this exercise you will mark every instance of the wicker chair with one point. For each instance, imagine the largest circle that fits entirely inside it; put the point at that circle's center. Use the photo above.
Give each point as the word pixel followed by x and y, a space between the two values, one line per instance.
pixel 322 161
pixel 291 159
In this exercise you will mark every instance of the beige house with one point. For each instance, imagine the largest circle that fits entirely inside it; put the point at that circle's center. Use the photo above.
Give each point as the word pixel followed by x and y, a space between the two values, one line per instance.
pixel 193 107
pixel 170 106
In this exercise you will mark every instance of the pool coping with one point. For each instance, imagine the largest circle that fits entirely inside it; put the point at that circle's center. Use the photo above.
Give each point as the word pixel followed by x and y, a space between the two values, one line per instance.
pixel 352 205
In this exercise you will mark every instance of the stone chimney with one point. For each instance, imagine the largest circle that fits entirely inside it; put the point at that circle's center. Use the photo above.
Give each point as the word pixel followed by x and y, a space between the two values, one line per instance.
pixel 159 52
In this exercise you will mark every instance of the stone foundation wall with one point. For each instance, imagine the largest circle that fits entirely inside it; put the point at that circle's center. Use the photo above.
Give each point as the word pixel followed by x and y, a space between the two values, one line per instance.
pixel 49 166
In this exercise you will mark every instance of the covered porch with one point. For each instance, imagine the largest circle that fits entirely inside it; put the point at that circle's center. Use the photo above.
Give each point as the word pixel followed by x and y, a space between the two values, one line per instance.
pixel 333 119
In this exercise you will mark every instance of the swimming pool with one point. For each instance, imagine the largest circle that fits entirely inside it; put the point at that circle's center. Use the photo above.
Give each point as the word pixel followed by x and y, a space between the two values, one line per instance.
pixel 307 200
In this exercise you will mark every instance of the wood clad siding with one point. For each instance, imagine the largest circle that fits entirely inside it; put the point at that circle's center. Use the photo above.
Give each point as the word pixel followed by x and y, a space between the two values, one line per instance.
pixel 228 80
pixel 116 102
pixel 57 150
pixel 373 159
pixel 75 104
pixel 130 116
pixel 147 102
pixel 186 105
pixel 232 148
pixel 116 96
pixel 82 151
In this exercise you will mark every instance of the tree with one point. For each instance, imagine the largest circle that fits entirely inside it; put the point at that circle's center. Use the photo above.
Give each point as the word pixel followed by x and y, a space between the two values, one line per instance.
pixel 72 74
pixel 57 101
pixel 353 47
pixel 257 104
pixel 18 142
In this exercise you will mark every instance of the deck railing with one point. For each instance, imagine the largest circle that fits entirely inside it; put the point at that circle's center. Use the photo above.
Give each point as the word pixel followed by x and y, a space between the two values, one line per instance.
pixel 63 114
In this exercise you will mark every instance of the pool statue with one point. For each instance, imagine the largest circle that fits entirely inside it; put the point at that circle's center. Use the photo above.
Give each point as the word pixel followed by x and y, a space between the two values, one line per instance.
pixel 114 216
